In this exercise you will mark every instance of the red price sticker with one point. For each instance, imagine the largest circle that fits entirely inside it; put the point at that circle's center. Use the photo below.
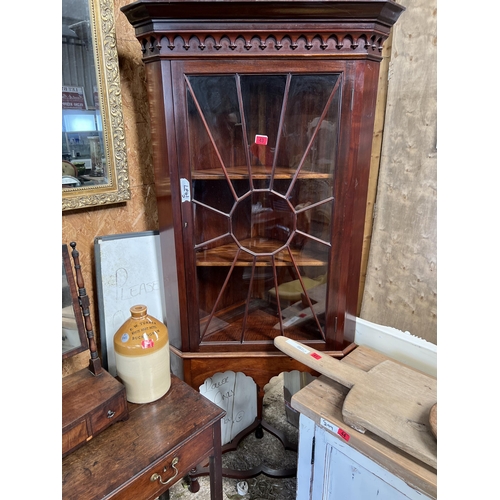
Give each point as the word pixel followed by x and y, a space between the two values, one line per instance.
pixel 343 434
pixel 315 355
pixel 333 428
pixel 261 139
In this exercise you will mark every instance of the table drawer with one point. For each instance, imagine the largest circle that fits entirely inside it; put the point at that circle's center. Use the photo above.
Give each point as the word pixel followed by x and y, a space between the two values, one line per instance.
pixel 111 411
pixel 74 437
pixel 184 457
pixel 88 398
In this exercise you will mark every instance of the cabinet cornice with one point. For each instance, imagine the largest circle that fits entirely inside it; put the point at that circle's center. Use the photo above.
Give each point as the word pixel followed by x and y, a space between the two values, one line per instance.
pixel 254 44
pixel 351 28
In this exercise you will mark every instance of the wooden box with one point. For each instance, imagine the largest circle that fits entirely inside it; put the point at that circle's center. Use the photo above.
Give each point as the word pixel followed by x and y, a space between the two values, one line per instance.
pixel 90 404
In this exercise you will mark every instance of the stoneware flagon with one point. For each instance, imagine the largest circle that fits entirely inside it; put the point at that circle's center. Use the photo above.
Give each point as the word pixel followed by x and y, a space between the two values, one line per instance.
pixel 142 353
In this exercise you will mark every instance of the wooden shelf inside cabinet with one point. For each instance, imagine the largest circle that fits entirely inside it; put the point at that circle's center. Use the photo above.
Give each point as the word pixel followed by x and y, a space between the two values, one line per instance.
pixel 261 326
pixel 225 254
pixel 257 172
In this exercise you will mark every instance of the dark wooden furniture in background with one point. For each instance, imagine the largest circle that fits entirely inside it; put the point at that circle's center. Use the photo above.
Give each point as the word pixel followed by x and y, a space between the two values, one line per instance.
pixel 92 399
pixel 262 120
pixel 158 445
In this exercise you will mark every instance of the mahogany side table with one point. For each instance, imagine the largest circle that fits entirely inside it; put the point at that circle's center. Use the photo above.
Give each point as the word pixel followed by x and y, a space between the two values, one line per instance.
pixel 143 457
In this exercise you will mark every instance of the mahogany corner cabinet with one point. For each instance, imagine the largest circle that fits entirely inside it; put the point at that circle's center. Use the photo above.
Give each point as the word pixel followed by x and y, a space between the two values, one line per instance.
pixel 262 118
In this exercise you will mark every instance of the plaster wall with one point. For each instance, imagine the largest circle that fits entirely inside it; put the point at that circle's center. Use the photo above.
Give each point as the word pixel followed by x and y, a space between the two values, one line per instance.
pixel 401 278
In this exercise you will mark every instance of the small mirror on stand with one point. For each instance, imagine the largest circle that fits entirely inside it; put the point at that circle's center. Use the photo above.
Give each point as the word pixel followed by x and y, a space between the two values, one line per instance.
pixel 74 337
pixel 92 399
pixel 82 308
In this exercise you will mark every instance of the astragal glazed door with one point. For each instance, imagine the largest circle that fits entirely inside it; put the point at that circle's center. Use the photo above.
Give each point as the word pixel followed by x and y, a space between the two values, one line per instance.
pixel 262 155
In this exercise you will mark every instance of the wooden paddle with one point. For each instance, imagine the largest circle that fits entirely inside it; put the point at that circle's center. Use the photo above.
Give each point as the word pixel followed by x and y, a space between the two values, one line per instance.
pixel 391 400
pixel 433 420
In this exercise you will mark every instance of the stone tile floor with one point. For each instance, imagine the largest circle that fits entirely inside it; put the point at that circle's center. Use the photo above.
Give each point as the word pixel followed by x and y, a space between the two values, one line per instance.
pixel 251 452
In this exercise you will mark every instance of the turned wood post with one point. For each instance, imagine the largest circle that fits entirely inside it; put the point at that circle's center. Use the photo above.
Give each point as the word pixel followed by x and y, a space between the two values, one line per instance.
pixel 83 299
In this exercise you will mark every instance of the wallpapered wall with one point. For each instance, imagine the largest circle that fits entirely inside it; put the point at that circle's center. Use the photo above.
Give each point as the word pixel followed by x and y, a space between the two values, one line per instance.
pixel 140 213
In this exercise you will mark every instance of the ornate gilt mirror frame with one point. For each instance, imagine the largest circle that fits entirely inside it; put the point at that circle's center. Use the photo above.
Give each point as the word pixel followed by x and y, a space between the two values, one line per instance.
pixel 116 187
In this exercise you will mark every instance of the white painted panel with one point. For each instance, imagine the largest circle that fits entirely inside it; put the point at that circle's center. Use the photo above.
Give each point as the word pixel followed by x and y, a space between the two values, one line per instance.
pixel 128 272
pixel 304 467
pixel 344 478
pixel 402 346
pixel 237 394
pixel 340 472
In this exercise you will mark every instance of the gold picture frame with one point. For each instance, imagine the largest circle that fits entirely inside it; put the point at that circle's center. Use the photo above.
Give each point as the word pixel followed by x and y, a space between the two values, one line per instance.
pixel 115 187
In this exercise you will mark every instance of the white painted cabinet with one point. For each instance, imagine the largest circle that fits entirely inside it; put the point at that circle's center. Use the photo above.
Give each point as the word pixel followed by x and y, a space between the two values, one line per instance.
pixel 330 469
pixel 336 462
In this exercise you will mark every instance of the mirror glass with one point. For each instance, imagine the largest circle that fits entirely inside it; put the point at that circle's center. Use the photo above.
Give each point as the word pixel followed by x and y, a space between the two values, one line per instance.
pixel 94 167
pixel 74 338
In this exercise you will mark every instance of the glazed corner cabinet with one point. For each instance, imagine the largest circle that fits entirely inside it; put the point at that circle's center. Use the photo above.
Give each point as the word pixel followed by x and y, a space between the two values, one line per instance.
pixel 262 118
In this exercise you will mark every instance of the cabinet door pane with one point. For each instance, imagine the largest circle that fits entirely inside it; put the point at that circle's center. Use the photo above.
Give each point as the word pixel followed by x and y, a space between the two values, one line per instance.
pixel 262 152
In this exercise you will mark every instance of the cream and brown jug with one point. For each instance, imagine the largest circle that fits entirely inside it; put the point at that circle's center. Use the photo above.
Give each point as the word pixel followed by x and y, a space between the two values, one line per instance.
pixel 142 353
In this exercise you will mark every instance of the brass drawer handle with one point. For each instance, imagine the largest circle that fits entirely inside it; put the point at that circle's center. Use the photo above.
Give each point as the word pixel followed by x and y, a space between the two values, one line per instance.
pixel 156 476
pixel 110 414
